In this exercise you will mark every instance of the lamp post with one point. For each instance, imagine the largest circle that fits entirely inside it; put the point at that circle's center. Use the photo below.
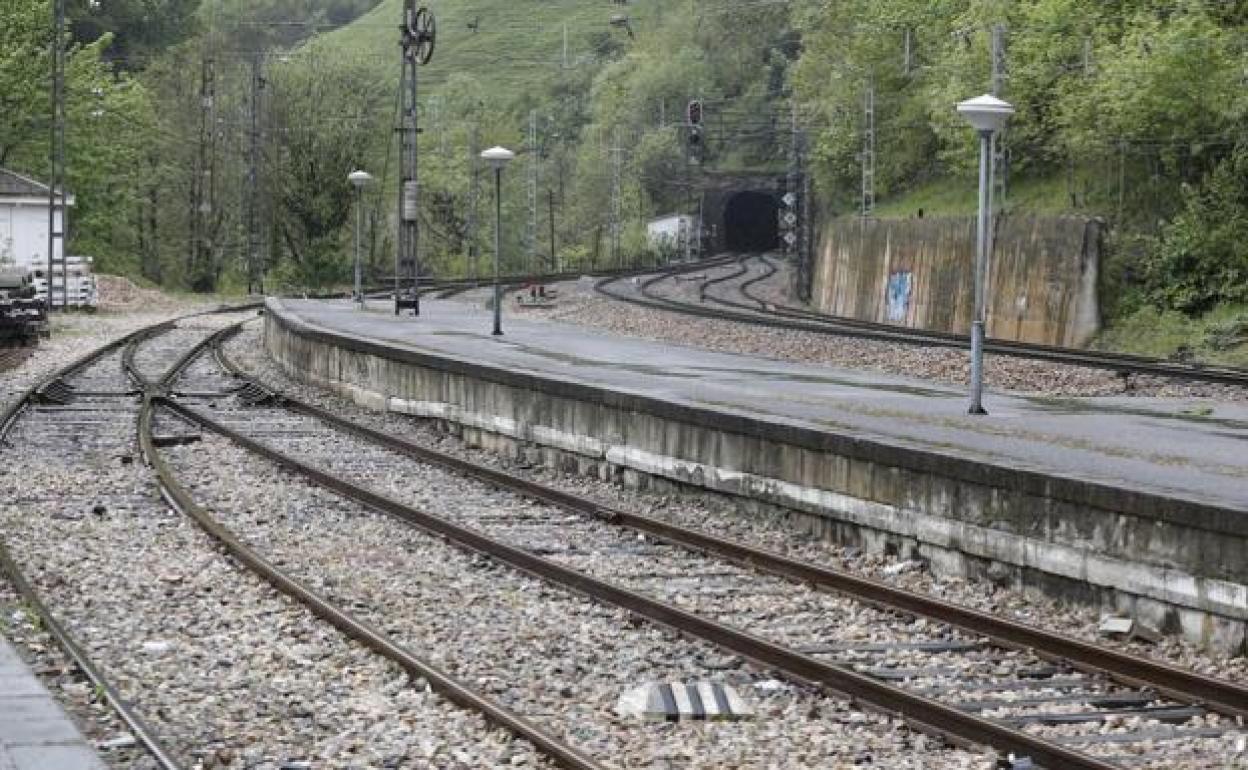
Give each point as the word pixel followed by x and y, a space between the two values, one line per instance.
pixel 359 179
pixel 987 115
pixel 498 157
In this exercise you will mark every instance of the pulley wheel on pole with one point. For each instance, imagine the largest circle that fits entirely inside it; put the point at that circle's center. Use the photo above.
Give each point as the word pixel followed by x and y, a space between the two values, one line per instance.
pixel 420 35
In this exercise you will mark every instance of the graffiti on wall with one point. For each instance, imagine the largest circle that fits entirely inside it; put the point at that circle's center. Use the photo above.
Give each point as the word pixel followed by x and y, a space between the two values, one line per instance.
pixel 897 296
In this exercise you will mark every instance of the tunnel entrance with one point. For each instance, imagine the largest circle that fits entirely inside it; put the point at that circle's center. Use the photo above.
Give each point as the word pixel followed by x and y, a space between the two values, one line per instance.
pixel 751 222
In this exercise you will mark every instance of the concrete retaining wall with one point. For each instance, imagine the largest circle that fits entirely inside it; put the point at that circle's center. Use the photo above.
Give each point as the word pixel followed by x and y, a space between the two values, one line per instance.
pixel 919 273
pixel 1179 565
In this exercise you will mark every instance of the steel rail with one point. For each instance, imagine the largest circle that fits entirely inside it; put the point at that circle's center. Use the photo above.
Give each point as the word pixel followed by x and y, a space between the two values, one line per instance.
pixel 777 317
pixel 925 714
pixel 142 732
pixel 1219 695
pixel 181 499
pixel 1123 363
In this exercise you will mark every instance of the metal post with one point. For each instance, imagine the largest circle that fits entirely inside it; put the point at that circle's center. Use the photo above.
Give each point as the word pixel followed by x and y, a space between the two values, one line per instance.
pixel 56 184
pixel 868 149
pixel 999 171
pixel 359 226
pixel 253 175
pixel 554 252
pixel 407 256
pixel 498 241
pixel 415 178
pixel 617 195
pixel 981 268
pixel 473 194
pixel 530 235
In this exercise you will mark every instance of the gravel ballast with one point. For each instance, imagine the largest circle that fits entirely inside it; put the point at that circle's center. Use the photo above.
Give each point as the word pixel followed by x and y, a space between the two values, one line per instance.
pixel 720 515
pixel 707 512
pixel 554 657
pixel 230 673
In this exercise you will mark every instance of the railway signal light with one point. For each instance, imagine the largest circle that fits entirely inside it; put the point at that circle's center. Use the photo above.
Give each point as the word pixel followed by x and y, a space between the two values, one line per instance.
pixel 694 113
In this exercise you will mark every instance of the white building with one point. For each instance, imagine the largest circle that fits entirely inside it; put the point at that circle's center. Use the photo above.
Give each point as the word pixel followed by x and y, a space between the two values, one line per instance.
pixel 673 235
pixel 24 221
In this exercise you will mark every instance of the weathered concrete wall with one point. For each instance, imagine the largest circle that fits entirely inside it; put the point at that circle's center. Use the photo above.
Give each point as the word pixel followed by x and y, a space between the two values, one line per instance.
pixel 919 273
pixel 1180 565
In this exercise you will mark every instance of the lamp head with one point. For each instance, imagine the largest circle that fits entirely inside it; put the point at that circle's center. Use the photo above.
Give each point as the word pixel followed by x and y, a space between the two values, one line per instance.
pixel 986 113
pixel 359 178
pixel 498 157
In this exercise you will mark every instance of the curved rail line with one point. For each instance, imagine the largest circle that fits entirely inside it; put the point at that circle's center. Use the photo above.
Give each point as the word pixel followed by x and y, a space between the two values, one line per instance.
pixel 443 288
pixel 926 714
pixel 180 498
pixel 1223 696
pixel 143 733
pixel 760 312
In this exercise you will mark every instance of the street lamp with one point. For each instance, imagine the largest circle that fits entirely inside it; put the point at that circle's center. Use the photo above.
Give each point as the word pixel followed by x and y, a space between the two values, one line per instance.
pixel 987 115
pixel 498 157
pixel 359 179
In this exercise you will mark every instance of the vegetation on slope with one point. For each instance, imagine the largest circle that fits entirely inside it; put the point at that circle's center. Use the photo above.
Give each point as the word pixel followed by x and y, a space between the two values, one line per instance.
pixel 1128 109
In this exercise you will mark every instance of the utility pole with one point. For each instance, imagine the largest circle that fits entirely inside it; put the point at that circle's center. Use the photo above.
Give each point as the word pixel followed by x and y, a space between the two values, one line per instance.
pixel 617 198
pixel 565 45
pixel 907 63
pixel 254 268
pixel 868 149
pixel 474 194
pixel 530 236
pixel 57 195
pixel 202 182
pixel 795 172
pixel 417 42
pixel 805 254
pixel 554 253
pixel 1000 158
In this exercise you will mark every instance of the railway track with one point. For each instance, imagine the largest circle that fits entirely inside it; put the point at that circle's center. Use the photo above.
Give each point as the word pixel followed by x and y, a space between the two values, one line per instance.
pixel 443 288
pixel 953 672
pixel 752 309
pixel 101 386
pixel 88 411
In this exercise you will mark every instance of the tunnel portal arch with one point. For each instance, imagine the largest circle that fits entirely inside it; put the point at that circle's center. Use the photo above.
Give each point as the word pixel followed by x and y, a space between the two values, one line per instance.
pixel 752 222
pixel 737 202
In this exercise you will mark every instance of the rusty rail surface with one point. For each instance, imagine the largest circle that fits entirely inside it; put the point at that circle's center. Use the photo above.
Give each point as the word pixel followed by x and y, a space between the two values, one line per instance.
pixel 143 733
pixel 376 640
pixel 924 714
pixel 1220 695
pixel 761 313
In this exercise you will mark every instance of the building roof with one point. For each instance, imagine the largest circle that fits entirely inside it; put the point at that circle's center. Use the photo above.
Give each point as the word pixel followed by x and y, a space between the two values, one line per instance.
pixel 13 183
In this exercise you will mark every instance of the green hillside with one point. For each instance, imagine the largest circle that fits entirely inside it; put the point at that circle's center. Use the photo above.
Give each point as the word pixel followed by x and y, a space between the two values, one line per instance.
pixel 592 86
pixel 512 48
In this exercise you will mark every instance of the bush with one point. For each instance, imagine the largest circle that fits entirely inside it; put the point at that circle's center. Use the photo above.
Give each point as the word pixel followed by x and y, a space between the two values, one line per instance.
pixel 1202 258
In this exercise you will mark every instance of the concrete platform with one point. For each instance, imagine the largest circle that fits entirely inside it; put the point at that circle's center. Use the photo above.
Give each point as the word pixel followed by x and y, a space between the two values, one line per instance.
pixel 1035 471
pixel 35 732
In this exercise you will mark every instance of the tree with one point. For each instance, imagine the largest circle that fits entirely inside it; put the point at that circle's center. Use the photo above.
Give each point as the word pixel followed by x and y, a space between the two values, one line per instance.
pixel 330 122
pixel 1202 260
pixel 137 29
pixel 108 117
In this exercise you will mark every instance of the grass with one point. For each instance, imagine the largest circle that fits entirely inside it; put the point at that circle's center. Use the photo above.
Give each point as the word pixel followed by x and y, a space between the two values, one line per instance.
pixel 513 48
pixel 1218 337
pixel 959 197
